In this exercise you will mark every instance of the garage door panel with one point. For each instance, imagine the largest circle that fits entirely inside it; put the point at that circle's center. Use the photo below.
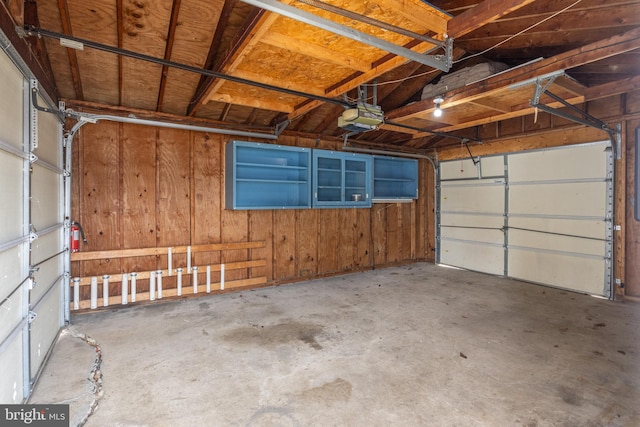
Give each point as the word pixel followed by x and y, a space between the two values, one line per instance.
pixel 556 269
pixel 45 198
pixel 576 227
pixel 473 256
pixel 11 369
pixel 576 162
pixel 465 169
pixel 473 234
pixel 480 199
pixel 555 242
pixel 45 327
pixel 11 313
pixel 11 101
pixel 11 196
pixel 48 132
pixel 571 199
pixel 10 273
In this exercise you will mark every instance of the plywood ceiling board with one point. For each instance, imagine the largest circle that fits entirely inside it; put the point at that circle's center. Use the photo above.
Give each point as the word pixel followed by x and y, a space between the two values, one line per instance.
pixel 145 30
pixel 98 70
pixel 49 17
pixel 252 96
pixel 196 25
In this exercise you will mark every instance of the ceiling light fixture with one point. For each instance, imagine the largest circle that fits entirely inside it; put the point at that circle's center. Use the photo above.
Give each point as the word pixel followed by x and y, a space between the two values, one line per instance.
pixel 438 100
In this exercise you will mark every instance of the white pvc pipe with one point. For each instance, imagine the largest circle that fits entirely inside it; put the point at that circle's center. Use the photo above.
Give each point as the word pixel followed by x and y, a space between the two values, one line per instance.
pixel 208 278
pixel 125 288
pixel 94 292
pixel 222 277
pixel 159 277
pixel 76 293
pixel 105 290
pixel 194 278
pixel 152 286
pixel 133 286
pixel 179 271
pixel 170 261
pixel 188 259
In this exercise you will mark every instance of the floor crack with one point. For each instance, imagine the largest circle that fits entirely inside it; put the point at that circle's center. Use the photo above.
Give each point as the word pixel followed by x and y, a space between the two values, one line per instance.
pixel 95 375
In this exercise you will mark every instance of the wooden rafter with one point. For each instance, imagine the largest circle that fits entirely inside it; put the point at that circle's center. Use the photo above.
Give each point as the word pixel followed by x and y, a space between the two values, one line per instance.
pixel 173 24
pixel 71 53
pixel 491 86
pixel 482 14
pixel 205 82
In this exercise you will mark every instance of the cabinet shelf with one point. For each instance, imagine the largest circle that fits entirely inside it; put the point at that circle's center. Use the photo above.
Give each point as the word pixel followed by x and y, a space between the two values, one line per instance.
pixel 266 176
pixel 340 178
pixel 394 179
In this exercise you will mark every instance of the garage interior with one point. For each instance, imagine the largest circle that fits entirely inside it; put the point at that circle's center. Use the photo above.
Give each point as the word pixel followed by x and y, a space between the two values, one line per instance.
pixel 242 212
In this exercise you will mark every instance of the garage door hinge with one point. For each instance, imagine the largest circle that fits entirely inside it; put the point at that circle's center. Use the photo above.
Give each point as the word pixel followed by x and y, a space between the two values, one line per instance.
pixel 32 158
pixel 32 236
pixel 32 316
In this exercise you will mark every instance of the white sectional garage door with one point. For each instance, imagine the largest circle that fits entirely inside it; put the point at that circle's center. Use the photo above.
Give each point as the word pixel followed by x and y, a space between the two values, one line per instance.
pixel 541 216
pixel 31 234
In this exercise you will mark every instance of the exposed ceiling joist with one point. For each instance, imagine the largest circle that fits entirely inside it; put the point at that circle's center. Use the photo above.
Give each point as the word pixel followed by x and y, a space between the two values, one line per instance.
pixel 485 12
pixel 173 24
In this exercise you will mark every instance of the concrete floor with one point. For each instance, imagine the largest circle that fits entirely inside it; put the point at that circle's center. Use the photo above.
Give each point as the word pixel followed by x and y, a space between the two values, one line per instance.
pixel 407 346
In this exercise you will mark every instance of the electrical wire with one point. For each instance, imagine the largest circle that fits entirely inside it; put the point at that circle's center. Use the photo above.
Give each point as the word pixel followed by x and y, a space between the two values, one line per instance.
pixel 518 33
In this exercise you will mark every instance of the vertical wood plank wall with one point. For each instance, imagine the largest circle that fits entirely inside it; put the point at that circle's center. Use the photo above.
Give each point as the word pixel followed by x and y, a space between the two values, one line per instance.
pixel 138 186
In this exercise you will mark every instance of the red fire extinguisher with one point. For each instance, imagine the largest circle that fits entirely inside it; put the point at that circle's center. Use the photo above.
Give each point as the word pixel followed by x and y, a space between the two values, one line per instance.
pixel 76 231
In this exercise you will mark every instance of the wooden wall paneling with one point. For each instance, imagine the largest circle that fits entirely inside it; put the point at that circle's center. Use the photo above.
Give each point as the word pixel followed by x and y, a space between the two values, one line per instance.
pixel 379 227
pixel 394 233
pixel 261 228
pixel 307 242
pixel 235 228
pixel 421 211
pixel 173 202
pixel 327 241
pixel 632 227
pixel 345 230
pixel 363 241
pixel 100 189
pixel 406 226
pixel 284 241
pixel 138 198
pixel 206 202
pixel 620 204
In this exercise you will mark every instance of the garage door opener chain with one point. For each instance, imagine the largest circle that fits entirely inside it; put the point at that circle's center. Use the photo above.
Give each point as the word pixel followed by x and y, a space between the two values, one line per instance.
pixel 95 375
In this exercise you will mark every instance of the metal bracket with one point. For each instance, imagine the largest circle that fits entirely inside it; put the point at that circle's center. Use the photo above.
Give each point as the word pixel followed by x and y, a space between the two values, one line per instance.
pixel 32 158
pixel 280 127
pixel 34 117
pixel 32 236
pixel 31 316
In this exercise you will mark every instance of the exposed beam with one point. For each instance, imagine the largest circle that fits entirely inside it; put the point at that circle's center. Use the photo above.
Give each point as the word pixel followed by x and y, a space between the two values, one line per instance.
pixel 263 78
pixel 483 13
pixel 173 24
pixel 205 81
pixel 592 52
pixel 224 113
pixel 249 101
pixel 611 89
pixel 71 53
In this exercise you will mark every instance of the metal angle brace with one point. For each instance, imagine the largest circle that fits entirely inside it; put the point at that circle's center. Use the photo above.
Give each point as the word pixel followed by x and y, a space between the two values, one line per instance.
pixel 580 116
pixel 436 61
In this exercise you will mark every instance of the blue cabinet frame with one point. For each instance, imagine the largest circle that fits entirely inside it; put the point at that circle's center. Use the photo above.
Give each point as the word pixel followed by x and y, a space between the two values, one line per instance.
pixel 394 179
pixel 267 176
pixel 341 179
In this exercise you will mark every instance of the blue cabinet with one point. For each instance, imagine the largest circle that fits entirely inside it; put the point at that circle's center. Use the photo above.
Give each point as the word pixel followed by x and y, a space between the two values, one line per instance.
pixel 341 179
pixel 267 176
pixel 394 179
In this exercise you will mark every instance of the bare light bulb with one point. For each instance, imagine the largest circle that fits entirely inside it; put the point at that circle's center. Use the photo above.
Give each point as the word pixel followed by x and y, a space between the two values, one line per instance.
pixel 437 112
